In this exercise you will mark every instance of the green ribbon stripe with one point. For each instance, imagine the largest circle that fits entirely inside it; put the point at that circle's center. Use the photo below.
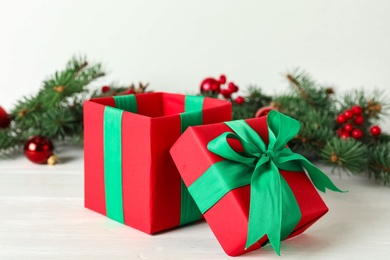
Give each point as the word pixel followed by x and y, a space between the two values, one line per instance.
pixel 192 116
pixel 112 140
pixel 273 209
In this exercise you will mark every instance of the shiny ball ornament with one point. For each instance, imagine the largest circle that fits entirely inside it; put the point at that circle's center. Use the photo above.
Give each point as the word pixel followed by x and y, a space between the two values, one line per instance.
pixel 5 120
pixel 357 134
pixel 38 149
pixel 341 119
pixel 375 130
pixel 212 85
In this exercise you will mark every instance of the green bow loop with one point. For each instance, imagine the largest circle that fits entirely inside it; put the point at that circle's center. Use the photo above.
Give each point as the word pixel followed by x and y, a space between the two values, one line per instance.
pixel 273 210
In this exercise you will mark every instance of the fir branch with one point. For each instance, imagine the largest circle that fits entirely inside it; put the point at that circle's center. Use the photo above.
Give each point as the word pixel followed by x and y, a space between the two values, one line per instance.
pixel 346 154
pixel 379 165
pixel 295 83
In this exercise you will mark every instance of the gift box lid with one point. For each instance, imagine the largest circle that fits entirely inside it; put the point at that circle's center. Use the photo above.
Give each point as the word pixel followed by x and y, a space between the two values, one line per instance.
pixel 238 170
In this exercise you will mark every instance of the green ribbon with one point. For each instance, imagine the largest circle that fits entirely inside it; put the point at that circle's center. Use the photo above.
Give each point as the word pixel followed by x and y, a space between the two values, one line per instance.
pixel 192 116
pixel 112 140
pixel 273 209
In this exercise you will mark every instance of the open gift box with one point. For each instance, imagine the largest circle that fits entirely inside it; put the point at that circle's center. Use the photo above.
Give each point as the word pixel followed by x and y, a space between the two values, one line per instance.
pixel 129 173
pixel 249 185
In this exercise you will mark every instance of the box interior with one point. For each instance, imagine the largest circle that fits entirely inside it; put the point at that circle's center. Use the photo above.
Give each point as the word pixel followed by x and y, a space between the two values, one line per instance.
pixel 160 104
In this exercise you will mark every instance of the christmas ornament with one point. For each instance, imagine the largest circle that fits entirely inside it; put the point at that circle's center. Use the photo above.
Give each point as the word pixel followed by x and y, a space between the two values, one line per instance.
pixel 105 89
pixel 239 100
pixel 38 149
pixel 5 120
pixel 212 85
pixel 375 130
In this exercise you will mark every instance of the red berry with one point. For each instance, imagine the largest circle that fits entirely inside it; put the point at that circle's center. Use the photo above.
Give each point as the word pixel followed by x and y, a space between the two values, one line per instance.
pixel 222 79
pixel 375 130
pixel 341 119
pixel 348 128
pixel 357 134
pixel 105 89
pixel 344 135
pixel 239 100
pixel 232 87
pixel 359 120
pixel 348 114
pixel 226 93
pixel 357 110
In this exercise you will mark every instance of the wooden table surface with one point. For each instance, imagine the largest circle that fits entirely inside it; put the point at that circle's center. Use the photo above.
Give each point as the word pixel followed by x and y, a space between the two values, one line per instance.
pixel 42 217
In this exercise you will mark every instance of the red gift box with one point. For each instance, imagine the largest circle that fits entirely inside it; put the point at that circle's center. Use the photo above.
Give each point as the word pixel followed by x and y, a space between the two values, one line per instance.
pixel 229 216
pixel 129 174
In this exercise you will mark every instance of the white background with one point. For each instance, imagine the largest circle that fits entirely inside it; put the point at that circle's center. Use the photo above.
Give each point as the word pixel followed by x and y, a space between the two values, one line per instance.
pixel 175 44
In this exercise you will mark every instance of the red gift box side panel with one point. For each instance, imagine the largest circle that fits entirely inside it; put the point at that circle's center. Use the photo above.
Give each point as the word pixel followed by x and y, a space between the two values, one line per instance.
pixel 136 171
pixel 93 155
pixel 165 187
pixel 309 201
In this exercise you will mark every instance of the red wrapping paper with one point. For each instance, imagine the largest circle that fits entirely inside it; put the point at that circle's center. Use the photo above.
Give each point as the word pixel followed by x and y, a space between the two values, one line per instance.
pixel 150 180
pixel 228 218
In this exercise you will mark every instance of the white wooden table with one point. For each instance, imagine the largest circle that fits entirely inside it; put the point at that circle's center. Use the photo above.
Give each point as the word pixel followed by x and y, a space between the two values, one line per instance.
pixel 42 217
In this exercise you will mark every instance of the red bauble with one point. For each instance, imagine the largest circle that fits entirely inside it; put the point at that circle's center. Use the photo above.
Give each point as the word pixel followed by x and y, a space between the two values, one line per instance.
pixel 38 149
pixel 232 87
pixel 341 119
pixel 348 114
pixel 359 120
pixel 212 85
pixel 357 110
pixel 239 100
pixel 5 120
pixel 105 89
pixel 348 128
pixel 263 111
pixel 375 130
pixel 226 93
pixel 357 134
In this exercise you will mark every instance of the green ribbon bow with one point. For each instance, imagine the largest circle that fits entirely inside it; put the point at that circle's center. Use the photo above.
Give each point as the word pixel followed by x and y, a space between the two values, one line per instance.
pixel 273 210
